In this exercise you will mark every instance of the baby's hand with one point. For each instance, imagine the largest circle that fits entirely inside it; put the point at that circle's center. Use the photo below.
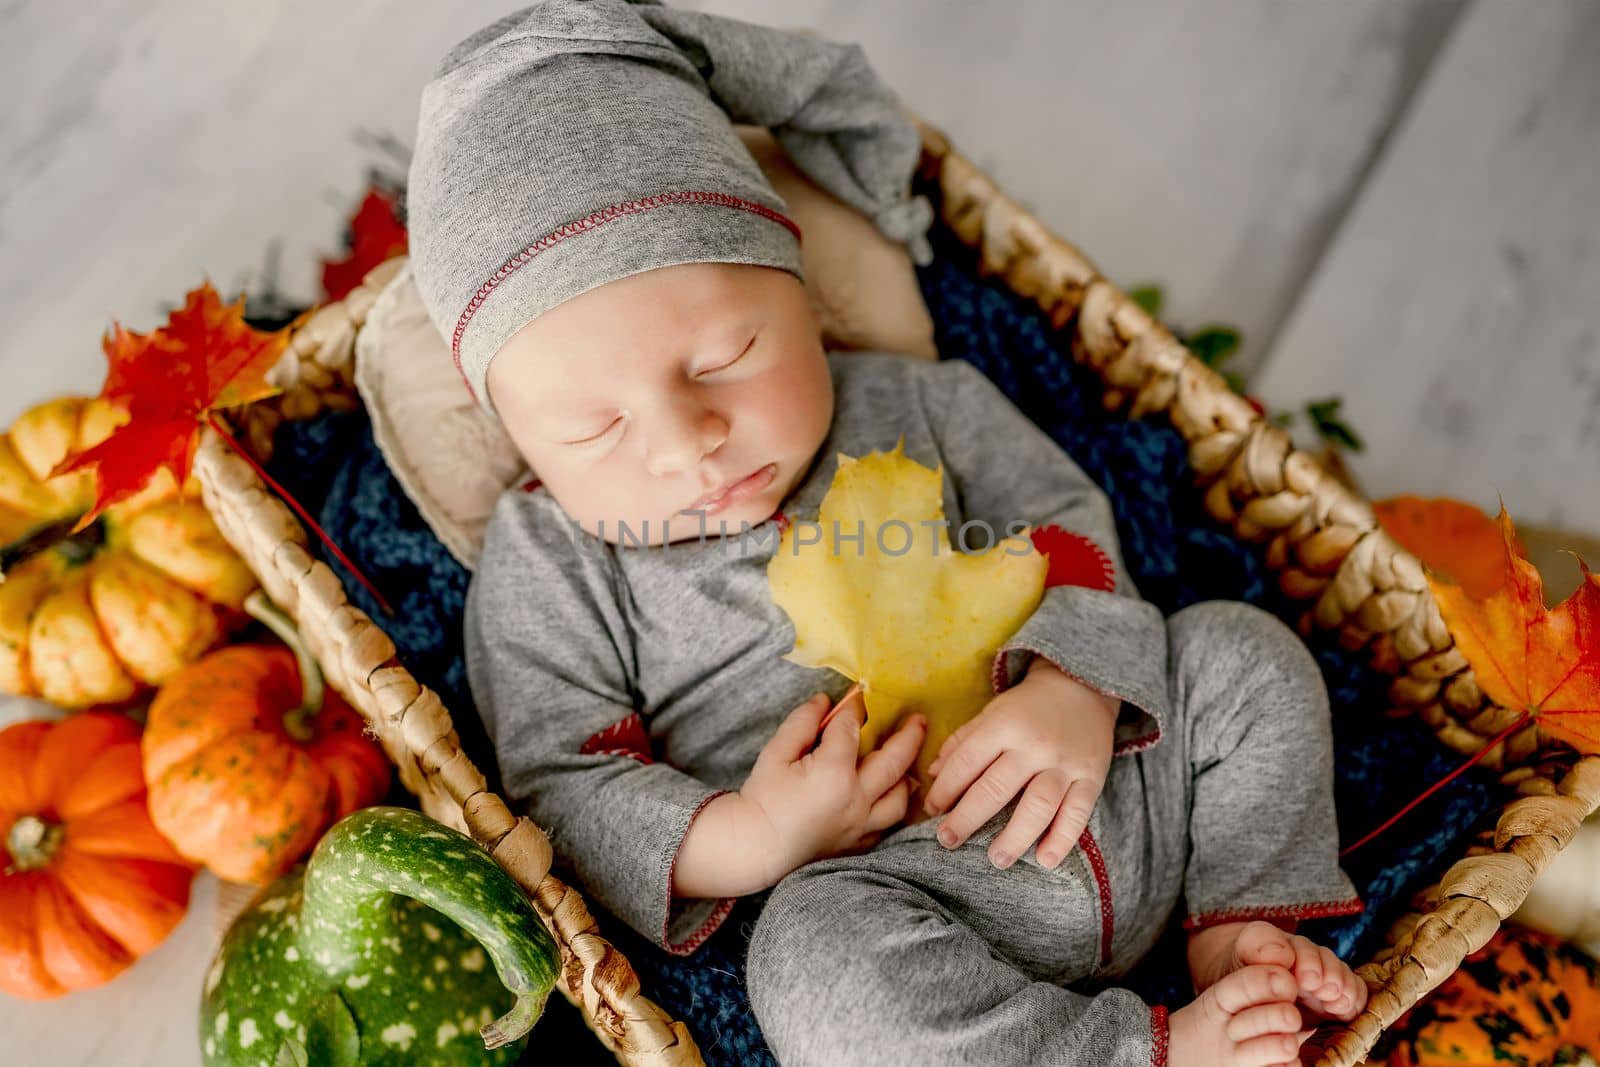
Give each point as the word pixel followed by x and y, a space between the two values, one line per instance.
pixel 820 803
pixel 1050 733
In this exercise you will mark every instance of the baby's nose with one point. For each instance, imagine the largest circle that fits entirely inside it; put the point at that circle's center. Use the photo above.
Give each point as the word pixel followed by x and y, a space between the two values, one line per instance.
pixel 678 444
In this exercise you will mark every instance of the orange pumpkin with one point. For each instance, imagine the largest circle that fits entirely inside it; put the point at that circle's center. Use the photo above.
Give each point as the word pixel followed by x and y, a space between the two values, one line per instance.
pixel 89 886
pixel 1525 999
pixel 245 770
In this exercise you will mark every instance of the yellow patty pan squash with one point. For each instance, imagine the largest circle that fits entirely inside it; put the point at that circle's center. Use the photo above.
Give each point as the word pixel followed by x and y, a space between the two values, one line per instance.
pixel 97 616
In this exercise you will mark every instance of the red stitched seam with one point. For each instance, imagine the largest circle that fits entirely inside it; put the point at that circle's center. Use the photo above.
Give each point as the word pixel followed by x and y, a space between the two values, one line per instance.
pixel 1158 1036
pixel 589 222
pixel 712 924
pixel 1091 849
pixel 1317 910
pixel 719 913
pixel 1136 744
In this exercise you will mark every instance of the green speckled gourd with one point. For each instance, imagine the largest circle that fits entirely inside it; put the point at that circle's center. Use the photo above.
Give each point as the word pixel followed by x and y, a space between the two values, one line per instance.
pixel 401 942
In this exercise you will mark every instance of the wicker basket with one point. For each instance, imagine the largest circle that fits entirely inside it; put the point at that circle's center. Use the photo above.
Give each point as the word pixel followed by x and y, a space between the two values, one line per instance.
pixel 1321 540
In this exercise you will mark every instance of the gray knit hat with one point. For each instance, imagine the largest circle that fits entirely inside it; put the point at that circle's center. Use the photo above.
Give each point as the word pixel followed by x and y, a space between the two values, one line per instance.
pixel 576 142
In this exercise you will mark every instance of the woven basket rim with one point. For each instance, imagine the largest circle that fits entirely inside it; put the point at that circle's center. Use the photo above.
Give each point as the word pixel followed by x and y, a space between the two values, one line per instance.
pixel 1322 540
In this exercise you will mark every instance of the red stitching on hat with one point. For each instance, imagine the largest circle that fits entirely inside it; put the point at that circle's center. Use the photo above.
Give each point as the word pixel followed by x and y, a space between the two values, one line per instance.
pixel 590 222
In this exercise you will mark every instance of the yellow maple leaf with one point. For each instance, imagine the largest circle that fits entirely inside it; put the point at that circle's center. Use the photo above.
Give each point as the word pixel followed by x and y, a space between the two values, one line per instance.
pixel 918 627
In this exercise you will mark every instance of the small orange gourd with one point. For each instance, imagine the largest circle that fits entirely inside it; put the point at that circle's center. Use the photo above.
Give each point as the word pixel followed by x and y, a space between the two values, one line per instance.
pixel 250 759
pixel 89 886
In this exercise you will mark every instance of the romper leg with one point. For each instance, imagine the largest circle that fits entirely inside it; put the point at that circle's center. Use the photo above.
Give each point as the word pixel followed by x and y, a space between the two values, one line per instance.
pixel 1263 836
pixel 911 953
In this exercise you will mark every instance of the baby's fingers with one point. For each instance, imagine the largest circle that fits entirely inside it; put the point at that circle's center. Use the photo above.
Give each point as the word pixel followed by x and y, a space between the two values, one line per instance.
pixel 1070 822
pixel 957 736
pixel 1034 812
pixel 853 691
pixel 797 733
pixel 891 807
pixel 893 758
pixel 842 739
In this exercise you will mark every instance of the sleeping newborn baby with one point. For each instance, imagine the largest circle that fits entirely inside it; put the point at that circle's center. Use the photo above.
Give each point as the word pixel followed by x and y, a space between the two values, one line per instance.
pixel 622 288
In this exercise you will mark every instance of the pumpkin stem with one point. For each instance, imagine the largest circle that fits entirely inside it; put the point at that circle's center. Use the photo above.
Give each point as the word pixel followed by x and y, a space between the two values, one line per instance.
pixel 76 547
pixel 32 843
pixel 297 721
pixel 516 1023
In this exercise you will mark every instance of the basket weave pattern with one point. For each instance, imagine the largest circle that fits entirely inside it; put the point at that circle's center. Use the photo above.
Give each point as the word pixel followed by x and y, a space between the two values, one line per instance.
pixel 1321 539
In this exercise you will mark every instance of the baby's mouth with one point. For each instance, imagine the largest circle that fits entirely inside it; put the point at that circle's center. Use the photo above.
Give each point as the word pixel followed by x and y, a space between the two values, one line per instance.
pixel 745 487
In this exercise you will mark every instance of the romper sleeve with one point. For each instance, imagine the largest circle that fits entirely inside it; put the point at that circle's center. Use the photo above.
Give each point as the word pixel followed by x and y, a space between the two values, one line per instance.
pixel 549 663
pixel 1007 471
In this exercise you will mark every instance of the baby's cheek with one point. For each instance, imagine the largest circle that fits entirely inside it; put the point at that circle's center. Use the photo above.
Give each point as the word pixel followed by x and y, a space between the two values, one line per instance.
pixel 795 406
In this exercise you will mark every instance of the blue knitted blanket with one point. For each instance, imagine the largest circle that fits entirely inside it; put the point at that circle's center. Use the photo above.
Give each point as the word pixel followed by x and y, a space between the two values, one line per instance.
pixel 1175 551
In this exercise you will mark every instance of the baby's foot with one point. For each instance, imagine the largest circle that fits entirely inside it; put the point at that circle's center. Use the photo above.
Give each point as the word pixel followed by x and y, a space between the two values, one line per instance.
pixel 1327 988
pixel 1247 1018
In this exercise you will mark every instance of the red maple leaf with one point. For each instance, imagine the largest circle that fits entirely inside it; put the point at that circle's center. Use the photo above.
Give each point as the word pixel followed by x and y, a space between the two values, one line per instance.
pixel 376 236
pixel 1527 658
pixel 1540 661
pixel 167 382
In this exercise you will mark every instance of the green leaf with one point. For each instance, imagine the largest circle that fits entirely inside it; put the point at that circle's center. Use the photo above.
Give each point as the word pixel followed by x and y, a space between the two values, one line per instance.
pixel 332 1038
pixel 1148 297
pixel 1283 418
pixel 291 1054
pixel 1214 344
pixel 1329 426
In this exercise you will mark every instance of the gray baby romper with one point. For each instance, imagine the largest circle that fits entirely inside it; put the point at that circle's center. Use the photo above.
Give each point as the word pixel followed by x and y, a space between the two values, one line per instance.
pixel 626 686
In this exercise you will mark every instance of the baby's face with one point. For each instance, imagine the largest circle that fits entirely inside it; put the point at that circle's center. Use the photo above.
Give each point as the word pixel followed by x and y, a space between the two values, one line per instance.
pixel 636 399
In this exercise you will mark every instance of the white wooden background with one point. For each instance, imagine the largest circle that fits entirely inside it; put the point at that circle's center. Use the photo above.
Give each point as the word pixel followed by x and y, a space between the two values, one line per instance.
pixel 1395 200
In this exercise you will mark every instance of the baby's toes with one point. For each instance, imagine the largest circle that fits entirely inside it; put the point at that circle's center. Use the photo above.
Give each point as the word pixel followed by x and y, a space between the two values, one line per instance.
pixel 1268 1050
pixel 1345 994
pixel 1330 987
pixel 1277 1018
pixel 1250 986
pixel 1261 942
pixel 1310 969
